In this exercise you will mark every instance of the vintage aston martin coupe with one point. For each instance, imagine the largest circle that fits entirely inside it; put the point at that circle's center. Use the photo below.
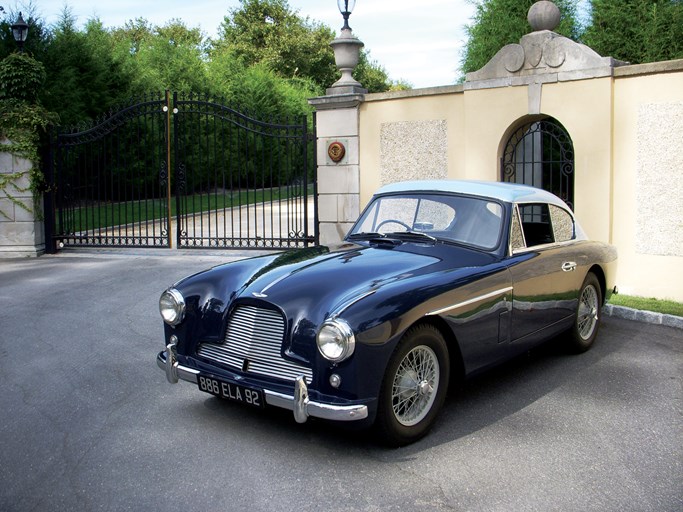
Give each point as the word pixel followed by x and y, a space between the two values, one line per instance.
pixel 437 280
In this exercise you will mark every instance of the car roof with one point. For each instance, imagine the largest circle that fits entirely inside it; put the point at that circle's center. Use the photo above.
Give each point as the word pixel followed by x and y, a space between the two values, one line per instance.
pixel 506 192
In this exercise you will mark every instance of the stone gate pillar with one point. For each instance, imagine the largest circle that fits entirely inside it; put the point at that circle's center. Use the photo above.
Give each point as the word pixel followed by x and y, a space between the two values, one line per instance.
pixel 337 120
pixel 338 165
pixel 21 231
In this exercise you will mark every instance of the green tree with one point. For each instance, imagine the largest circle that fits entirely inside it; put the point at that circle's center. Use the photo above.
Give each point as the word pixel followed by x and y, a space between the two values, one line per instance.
pixel 371 75
pixel 171 56
pixel 112 82
pixel 500 22
pixel 269 32
pixel 636 31
pixel 83 79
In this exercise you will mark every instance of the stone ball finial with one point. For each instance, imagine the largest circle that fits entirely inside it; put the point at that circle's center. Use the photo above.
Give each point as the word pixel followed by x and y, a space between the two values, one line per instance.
pixel 544 15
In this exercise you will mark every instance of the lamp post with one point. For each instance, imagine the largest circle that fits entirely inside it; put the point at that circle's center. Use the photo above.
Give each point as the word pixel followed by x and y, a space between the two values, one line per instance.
pixel 346 54
pixel 346 8
pixel 20 32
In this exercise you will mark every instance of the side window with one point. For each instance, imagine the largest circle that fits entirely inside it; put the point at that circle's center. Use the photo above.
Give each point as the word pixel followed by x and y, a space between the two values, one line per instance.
pixel 563 224
pixel 536 224
pixel 516 236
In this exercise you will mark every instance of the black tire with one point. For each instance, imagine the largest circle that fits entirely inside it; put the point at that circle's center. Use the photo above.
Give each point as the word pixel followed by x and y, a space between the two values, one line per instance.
pixel 414 386
pixel 588 314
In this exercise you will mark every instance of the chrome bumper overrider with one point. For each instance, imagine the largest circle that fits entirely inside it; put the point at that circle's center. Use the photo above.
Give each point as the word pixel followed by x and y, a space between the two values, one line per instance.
pixel 299 403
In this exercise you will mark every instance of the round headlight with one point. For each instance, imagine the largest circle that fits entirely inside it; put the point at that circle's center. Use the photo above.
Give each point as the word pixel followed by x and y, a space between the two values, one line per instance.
pixel 172 306
pixel 336 341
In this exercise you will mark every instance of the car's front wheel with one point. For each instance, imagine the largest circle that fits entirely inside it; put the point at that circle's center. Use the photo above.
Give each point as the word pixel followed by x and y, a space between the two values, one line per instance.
pixel 585 328
pixel 414 386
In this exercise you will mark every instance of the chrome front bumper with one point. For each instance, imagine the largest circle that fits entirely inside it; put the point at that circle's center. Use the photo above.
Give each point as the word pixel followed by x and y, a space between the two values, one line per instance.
pixel 299 403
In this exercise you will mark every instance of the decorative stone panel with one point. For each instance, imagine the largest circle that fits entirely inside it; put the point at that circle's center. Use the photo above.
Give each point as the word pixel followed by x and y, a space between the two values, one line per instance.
pixel 413 150
pixel 659 180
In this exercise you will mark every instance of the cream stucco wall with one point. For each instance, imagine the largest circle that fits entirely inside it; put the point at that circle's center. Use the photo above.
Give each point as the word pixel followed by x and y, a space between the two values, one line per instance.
pixel 584 108
pixel 619 148
pixel 648 182
pixel 393 143
pixel 489 113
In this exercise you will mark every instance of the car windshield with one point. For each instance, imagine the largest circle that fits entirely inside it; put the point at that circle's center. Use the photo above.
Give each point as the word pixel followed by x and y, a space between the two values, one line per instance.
pixel 445 217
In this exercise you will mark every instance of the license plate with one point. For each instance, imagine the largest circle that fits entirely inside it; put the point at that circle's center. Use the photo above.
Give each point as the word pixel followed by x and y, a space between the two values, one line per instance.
pixel 234 392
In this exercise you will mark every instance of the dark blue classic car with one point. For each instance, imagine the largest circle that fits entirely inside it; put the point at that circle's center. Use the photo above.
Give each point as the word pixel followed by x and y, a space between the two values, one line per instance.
pixel 436 281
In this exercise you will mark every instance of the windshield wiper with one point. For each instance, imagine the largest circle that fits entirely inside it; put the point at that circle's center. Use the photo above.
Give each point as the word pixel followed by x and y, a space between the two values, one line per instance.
pixel 413 236
pixel 379 239
pixel 365 236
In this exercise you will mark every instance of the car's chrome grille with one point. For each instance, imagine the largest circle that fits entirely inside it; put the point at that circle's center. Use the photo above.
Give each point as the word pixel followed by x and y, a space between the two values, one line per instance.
pixel 252 344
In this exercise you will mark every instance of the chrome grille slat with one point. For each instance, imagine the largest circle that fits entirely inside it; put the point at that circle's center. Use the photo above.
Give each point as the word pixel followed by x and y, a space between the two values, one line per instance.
pixel 255 334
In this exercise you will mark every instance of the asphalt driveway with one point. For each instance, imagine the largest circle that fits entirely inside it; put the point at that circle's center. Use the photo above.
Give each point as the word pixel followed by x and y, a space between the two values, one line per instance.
pixel 88 421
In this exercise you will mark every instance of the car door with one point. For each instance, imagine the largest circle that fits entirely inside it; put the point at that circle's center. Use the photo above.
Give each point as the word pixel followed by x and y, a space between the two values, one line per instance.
pixel 544 273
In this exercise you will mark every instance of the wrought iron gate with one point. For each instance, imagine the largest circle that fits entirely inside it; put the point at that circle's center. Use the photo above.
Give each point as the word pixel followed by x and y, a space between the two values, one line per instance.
pixel 541 154
pixel 236 182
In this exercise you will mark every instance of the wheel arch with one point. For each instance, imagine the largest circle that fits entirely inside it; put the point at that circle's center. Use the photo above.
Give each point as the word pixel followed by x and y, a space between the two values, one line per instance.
pixel 454 354
pixel 600 275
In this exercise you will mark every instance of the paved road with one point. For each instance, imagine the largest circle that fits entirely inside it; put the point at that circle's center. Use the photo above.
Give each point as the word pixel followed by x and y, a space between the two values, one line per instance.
pixel 88 422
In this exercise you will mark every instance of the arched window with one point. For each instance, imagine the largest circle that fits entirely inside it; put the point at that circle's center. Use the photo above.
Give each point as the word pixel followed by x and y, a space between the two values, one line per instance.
pixel 541 154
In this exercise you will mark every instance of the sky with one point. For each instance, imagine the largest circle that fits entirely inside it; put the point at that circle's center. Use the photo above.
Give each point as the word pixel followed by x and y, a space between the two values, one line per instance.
pixel 416 41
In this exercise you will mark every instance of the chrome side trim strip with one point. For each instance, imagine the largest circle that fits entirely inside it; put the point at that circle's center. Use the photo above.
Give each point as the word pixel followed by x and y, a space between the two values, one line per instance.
pixel 346 305
pixel 471 301
pixel 305 407
pixel 262 293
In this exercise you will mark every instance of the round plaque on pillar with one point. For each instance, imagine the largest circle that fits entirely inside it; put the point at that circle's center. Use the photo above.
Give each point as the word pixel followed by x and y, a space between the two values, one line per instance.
pixel 336 151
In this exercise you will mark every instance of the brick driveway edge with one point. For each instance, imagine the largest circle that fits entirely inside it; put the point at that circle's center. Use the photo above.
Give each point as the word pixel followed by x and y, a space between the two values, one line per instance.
pixel 647 317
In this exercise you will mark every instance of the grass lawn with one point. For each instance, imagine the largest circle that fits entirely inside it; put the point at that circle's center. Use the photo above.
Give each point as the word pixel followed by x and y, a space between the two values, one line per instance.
pixel 667 307
pixel 116 214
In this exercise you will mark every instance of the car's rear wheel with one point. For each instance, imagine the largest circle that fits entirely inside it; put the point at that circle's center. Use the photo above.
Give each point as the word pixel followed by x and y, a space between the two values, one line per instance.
pixel 414 386
pixel 585 328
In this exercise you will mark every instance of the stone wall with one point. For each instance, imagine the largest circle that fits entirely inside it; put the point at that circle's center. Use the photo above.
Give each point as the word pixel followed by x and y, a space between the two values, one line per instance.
pixel 21 232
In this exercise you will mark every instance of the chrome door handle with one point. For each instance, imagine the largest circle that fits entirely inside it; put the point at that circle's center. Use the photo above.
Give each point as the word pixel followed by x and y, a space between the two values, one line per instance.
pixel 568 266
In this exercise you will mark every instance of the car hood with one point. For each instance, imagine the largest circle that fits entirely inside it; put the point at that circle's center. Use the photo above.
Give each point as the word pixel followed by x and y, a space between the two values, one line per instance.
pixel 330 280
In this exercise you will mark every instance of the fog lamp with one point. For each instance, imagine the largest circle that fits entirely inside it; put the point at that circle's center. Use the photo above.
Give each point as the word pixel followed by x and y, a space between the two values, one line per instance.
pixel 335 380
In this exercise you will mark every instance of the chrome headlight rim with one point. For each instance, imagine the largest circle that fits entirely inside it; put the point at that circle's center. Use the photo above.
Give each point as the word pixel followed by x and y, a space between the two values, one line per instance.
pixel 172 307
pixel 336 328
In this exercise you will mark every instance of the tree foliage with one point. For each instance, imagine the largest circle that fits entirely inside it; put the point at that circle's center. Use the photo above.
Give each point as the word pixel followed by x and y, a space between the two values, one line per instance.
pixel 497 23
pixel 93 69
pixel 83 78
pixel 22 122
pixel 21 77
pixel 269 32
pixel 636 31
pixel 171 56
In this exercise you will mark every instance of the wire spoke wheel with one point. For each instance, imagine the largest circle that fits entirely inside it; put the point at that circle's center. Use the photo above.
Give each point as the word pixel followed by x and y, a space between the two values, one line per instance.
pixel 587 321
pixel 588 312
pixel 415 385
